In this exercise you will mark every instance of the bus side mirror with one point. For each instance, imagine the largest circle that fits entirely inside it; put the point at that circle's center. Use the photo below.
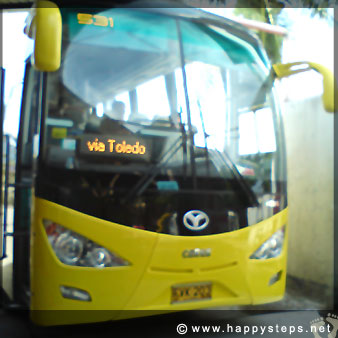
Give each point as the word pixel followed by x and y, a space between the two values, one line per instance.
pixel 329 83
pixel 46 30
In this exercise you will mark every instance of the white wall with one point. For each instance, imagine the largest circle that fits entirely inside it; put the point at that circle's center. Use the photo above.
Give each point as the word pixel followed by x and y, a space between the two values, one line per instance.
pixel 309 141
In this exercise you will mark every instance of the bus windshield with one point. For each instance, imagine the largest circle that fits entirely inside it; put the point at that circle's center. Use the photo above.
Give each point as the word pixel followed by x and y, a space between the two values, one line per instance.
pixel 155 111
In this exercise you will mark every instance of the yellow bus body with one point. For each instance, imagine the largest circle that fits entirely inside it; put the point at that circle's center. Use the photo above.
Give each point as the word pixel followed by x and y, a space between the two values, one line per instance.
pixel 156 264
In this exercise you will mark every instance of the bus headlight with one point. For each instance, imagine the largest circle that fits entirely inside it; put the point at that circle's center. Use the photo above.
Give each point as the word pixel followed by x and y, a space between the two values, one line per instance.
pixel 68 248
pixel 100 257
pixel 272 247
pixel 74 249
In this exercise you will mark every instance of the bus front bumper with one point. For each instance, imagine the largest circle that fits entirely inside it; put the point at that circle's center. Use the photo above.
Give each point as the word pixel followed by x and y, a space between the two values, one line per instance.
pixel 161 276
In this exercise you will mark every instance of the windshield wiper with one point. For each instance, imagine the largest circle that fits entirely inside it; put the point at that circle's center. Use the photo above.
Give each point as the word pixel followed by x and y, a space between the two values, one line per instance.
pixel 184 145
pixel 205 135
pixel 191 133
pixel 265 87
pixel 145 180
pixel 219 159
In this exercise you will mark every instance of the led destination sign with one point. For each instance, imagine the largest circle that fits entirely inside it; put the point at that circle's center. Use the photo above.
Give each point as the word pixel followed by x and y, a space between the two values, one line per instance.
pixel 130 147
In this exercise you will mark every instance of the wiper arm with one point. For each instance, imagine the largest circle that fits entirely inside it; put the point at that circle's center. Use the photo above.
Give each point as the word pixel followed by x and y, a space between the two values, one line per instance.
pixel 224 158
pixel 257 103
pixel 184 145
pixel 265 87
pixel 144 182
pixel 191 133
pixel 205 135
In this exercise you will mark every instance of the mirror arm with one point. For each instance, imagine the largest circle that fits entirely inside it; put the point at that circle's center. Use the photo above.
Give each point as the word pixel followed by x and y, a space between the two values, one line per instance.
pixel 329 83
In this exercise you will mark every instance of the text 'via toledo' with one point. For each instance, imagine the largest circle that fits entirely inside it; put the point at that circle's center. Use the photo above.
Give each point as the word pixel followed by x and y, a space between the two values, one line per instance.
pixel 114 147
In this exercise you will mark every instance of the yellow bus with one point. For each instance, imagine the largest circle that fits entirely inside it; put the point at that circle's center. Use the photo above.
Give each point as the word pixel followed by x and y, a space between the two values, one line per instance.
pixel 151 170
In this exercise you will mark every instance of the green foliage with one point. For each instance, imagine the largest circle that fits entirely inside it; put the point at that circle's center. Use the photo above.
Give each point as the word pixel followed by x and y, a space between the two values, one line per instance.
pixel 268 11
pixel 319 7
pixel 272 43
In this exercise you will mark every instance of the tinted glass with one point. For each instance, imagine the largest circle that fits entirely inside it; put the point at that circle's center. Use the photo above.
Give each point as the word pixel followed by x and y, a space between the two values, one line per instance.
pixel 151 117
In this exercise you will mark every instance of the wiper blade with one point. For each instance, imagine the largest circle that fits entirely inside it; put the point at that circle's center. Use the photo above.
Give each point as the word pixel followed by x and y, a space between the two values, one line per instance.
pixel 205 135
pixel 190 134
pixel 265 87
pixel 224 158
pixel 184 144
pixel 144 182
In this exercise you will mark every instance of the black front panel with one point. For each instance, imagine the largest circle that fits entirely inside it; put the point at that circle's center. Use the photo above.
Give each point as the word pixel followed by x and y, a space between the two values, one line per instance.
pixel 161 207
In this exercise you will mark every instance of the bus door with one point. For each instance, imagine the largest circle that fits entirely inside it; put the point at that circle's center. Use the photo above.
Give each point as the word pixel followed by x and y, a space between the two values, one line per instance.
pixel 6 202
pixel 7 169
pixel 2 241
pixel 17 185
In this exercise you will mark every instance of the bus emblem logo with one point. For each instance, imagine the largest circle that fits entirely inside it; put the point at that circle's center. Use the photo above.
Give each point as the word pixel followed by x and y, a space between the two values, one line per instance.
pixel 195 220
pixel 196 253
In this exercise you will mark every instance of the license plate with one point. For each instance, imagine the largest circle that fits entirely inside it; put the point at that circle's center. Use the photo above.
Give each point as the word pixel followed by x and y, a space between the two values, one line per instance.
pixel 190 292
